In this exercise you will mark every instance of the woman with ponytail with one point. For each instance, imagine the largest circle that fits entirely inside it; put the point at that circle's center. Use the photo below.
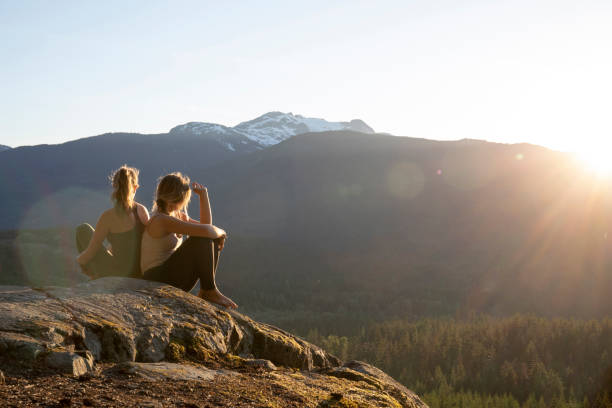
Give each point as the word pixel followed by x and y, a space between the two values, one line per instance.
pixel 121 225
pixel 168 257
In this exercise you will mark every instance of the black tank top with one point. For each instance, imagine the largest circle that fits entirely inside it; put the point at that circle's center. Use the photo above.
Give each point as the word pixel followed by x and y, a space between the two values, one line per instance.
pixel 126 249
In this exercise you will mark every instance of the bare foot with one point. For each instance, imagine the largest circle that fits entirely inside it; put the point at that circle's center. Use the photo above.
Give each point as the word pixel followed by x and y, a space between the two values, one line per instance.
pixel 214 296
pixel 87 272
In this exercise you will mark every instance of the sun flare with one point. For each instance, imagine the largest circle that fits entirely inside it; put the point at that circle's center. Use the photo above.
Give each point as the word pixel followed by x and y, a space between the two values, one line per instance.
pixel 597 159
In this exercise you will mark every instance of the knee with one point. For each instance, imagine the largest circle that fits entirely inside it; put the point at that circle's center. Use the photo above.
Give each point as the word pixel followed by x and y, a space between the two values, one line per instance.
pixel 199 241
pixel 84 229
pixel 83 234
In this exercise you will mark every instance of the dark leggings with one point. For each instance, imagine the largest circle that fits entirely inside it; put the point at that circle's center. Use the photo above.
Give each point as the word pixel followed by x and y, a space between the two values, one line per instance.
pixel 102 263
pixel 196 258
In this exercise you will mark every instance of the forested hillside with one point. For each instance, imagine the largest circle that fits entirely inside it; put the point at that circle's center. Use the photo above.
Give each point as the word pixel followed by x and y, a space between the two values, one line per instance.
pixel 522 360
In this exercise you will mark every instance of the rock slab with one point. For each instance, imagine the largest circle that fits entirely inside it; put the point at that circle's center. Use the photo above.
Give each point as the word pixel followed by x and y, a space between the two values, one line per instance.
pixel 122 319
pixel 149 328
pixel 70 363
pixel 172 371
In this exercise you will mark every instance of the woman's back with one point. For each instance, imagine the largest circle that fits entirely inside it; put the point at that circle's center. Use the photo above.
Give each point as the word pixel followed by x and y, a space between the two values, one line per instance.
pixel 121 225
pixel 124 235
pixel 123 230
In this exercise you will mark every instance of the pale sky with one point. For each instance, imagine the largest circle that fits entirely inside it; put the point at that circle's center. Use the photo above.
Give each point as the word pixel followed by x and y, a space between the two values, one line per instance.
pixel 533 71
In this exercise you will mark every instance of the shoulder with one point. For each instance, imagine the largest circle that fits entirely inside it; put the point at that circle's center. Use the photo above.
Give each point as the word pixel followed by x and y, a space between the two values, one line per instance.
pixel 160 219
pixel 141 207
pixel 108 215
pixel 163 217
pixel 143 213
pixel 182 216
pixel 160 225
pixel 106 218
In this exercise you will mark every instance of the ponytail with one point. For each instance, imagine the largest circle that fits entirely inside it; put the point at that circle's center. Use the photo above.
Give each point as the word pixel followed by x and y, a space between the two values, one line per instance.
pixel 160 206
pixel 124 180
pixel 172 189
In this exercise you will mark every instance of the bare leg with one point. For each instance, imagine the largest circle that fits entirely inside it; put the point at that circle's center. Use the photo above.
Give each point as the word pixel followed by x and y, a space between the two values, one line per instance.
pixel 211 293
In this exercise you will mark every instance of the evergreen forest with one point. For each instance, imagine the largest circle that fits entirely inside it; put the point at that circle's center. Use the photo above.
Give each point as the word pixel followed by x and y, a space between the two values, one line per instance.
pixel 520 361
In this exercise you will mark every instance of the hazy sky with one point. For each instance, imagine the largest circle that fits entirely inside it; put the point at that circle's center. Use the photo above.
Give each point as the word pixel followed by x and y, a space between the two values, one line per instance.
pixel 536 71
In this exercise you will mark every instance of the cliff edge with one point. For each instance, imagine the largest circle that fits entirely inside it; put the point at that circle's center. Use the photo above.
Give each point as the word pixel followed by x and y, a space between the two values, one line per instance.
pixel 128 342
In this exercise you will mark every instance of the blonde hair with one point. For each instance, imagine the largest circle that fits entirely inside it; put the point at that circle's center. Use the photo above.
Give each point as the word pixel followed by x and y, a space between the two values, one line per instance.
pixel 124 180
pixel 172 188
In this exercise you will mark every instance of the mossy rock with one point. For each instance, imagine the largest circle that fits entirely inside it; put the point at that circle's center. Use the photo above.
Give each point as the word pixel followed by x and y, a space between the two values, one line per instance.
pixel 234 361
pixel 175 352
pixel 338 403
pixel 349 374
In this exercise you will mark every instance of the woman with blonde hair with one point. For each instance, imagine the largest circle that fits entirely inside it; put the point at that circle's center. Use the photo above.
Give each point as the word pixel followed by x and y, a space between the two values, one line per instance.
pixel 167 257
pixel 121 225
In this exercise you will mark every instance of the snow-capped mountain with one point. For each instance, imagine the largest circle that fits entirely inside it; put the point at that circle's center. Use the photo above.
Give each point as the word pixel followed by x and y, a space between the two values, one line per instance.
pixel 3 147
pixel 269 129
pixel 274 127
pixel 226 136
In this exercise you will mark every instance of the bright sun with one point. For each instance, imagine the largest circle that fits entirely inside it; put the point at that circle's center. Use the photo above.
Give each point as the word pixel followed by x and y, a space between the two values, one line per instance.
pixel 598 160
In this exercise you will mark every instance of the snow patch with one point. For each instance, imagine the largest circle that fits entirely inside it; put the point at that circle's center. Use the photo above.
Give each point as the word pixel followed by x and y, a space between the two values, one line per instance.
pixel 268 129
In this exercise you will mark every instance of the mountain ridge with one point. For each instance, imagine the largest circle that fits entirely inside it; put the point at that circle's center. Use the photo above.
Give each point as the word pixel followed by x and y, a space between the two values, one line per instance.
pixel 273 127
pixel 430 227
pixel 84 163
pixel 280 126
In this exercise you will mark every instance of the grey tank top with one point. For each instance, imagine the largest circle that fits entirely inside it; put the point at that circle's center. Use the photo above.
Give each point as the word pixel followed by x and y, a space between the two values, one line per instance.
pixel 126 249
pixel 154 251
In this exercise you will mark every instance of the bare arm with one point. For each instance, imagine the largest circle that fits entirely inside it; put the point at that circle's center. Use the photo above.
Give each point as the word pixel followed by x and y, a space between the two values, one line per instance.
pixel 163 224
pixel 205 211
pixel 95 244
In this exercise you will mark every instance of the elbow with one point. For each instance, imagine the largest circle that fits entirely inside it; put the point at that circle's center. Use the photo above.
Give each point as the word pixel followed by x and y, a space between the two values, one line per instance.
pixel 216 232
pixel 81 259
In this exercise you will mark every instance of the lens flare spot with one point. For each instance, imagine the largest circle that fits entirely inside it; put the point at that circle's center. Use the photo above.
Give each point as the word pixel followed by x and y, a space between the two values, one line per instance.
pixel 45 242
pixel 469 171
pixel 351 190
pixel 405 180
